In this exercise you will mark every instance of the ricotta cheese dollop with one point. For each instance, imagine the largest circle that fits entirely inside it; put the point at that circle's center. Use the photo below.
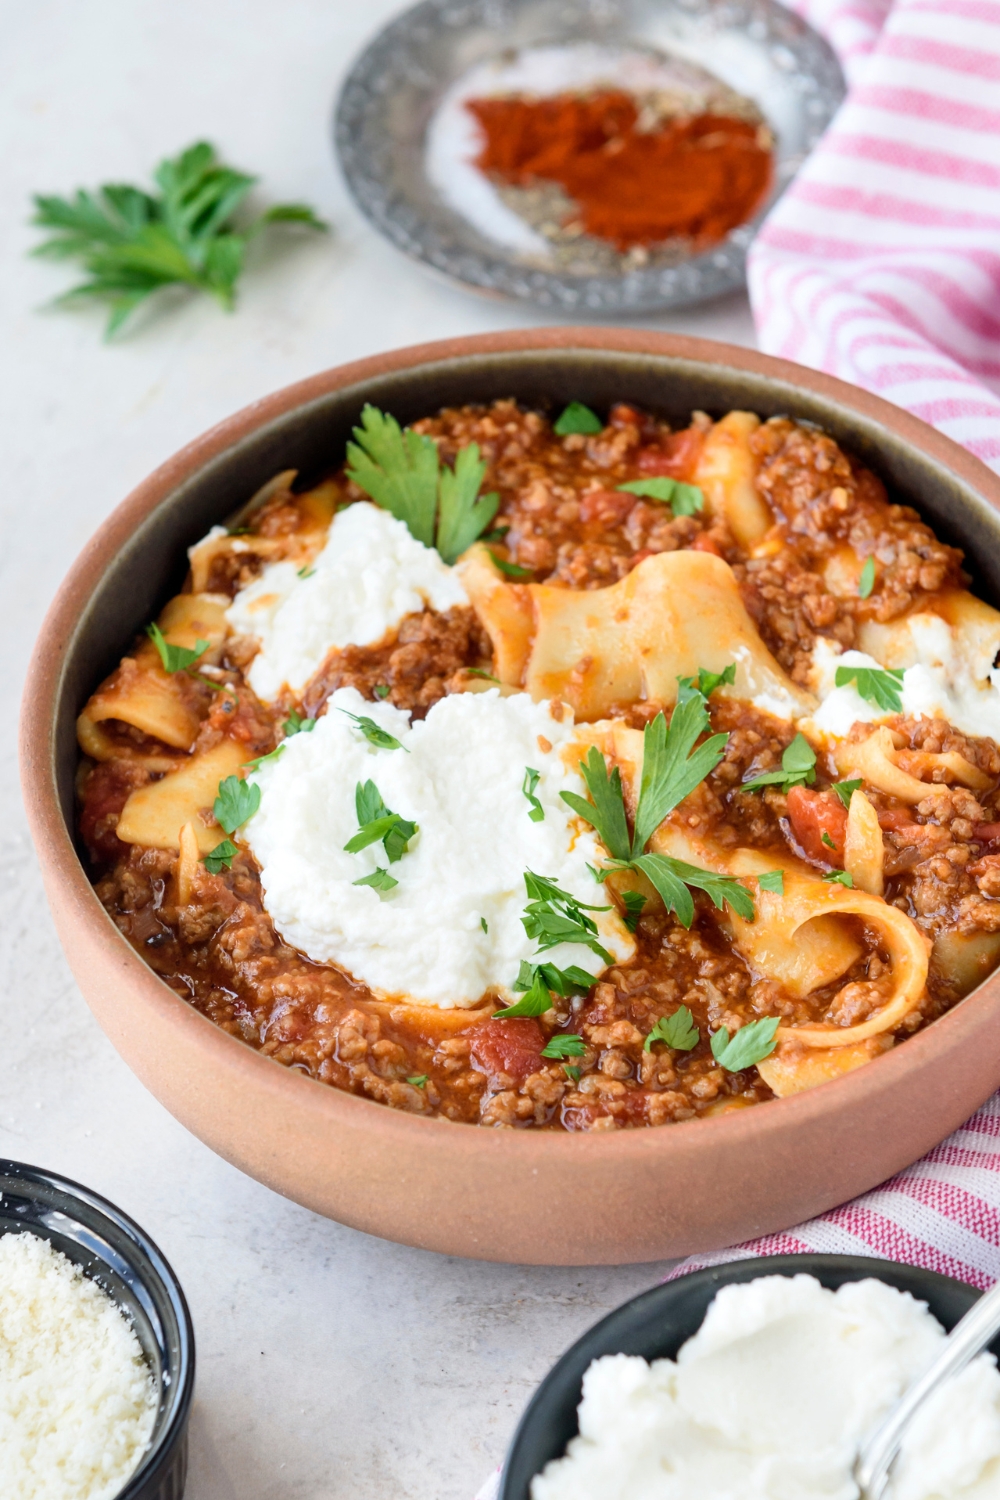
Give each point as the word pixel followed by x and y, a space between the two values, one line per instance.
pixel 370 573
pixel 459 777
pixel 773 1397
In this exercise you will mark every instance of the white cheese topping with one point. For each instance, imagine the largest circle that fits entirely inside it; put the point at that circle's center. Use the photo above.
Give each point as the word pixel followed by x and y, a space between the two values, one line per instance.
pixel 76 1398
pixel 459 778
pixel 370 574
pixel 772 1399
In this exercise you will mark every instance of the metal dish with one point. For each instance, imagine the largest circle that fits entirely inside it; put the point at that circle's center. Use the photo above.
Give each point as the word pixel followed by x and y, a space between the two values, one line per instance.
pixel 389 100
pixel 113 1251
pixel 656 1323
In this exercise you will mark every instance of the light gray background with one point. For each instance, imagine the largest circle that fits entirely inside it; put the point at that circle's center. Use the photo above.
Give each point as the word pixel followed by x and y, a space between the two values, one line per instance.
pixel 330 1364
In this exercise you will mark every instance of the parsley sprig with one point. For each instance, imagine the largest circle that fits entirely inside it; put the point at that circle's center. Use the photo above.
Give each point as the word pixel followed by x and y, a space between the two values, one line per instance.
pixel 374 733
pixel 539 982
pixel 376 824
pixel 677 1031
pixel 798 768
pixel 683 499
pixel 750 1045
pixel 221 857
pixel 553 916
pixel 577 418
pixel 875 684
pixel 536 811
pixel 671 768
pixel 564 1044
pixel 132 243
pixel 237 800
pixel 846 789
pixel 402 471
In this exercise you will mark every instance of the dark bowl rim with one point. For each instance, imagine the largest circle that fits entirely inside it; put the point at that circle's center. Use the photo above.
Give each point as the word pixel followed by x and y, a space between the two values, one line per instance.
pixel 740 1268
pixel 183 1375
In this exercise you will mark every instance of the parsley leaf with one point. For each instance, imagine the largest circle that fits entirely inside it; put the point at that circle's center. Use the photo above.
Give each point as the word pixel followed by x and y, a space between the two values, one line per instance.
pixel 401 470
pixel 263 760
pixel 418 1080
pixel 221 857
pixel 678 1031
pixel 382 690
pixel 536 811
pixel 132 243
pixel 511 569
pixel 671 767
pixel 866 582
pixel 773 881
pixel 706 682
pixel 484 925
pixel 571 981
pixel 577 418
pixel 606 813
pixel 827 840
pixel 840 877
pixel 877 686
pixel 846 789
pixel 296 724
pixel 633 901
pixel 377 824
pixel 374 733
pixel 236 802
pixel 552 916
pixel 798 767
pixel 683 499
pixel 671 878
pixel 573 1074
pixel 564 1044
pixel 306 572
pixel 379 879
pixel 751 1044
pixel 175 658
pixel 482 672
pixel 535 1003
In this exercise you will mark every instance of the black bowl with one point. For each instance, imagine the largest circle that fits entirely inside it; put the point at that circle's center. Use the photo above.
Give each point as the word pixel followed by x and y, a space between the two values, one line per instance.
pixel 656 1323
pixel 116 1254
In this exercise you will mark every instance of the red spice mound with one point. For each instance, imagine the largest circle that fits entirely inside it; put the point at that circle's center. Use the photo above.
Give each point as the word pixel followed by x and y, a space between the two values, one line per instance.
pixel 694 178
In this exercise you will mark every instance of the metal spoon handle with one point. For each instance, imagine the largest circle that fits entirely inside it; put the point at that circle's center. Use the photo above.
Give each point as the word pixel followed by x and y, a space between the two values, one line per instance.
pixel 965 1341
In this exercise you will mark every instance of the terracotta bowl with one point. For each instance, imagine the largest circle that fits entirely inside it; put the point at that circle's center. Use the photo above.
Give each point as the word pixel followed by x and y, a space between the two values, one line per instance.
pixel 538 1197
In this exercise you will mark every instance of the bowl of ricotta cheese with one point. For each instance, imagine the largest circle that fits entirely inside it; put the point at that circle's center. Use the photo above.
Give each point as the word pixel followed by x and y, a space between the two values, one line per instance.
pixel 762 1379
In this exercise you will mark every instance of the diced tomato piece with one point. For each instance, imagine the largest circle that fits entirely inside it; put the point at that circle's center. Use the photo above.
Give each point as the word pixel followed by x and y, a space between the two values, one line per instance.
pixel 513 1047
pixel 605 507
pixel 895 818
pixel 676 456
pixel 704 542
pixel 814 814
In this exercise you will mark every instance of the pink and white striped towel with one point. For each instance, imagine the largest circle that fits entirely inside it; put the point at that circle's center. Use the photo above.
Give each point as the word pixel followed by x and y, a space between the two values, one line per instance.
pixel 881 265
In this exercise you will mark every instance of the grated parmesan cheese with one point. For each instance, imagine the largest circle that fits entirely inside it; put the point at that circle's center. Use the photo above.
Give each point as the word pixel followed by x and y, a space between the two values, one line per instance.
pixel 77 1401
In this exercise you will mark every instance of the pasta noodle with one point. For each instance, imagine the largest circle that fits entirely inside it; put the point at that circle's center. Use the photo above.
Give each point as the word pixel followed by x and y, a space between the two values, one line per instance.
pixel 880 760
pixel 726 471
pixel 155 814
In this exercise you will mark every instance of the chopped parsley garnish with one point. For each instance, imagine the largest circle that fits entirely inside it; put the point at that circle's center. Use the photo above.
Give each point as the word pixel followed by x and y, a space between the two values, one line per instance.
pixel 845 789
pixel 633 901
pixel 798 768
pixel 482 672
pixel 840 877
pixel 671 769
pixel 237 801
pixel 877 686
pixel 536 811
pixel 683 499
pixel 827 840
pixel 377 824
pixel 773 881
pixel 484 925
pixel 751 1044
pixel 577 418
pixel 564 1044
pixel 535 1002
pixel 866 582
pixel 381 690
pixel 677 1031
pixel 706 682
pixel 221 857
pixel 511 569
pixel 418 1080
pixel 175 658
pixel 571 981
pixel 262 760
pixel 296 724
pixel 573 1074
pixel 402 471
pixel 552 916
pixel 374 733
pixel 306 572
pixel 379 879
pixel 495 534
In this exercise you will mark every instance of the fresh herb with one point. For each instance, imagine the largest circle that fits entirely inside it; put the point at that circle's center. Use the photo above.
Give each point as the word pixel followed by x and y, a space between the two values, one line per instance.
pixel 683 499
pixel 845 789
pixel 564 1044
pixel 773 881
pixel 132 243
pixel 552 916
pixel 221 857
pixel 535 1002
pixel 867 580
pixel 840 877
pixel 305 572
pixel 536 811
pixel 374 733
pixel 484 925
pixel 751 1044
pixel 678 1031
pixel 633 901
pixel 577 418
pixel 827 840
pixel 377 824
pixel 571 981
pixel 402 471
pixel 495 534
pixel 798 768
pixel 706 682
pixel 381 690
pixel 175 658
pixel 573 1074
pixel 482 672
pixel 672 877
pixel 263 760
pixel 418 1080
pixel 512 569
pixel 878 686
pixel 296 724
pixel 380 880
pixel 236 802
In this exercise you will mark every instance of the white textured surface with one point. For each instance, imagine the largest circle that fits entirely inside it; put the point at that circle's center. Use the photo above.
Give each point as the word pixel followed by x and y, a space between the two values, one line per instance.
pixel 330 1364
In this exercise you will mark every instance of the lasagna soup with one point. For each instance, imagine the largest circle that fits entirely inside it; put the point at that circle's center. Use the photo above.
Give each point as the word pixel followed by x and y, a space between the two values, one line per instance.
pixel 580 774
